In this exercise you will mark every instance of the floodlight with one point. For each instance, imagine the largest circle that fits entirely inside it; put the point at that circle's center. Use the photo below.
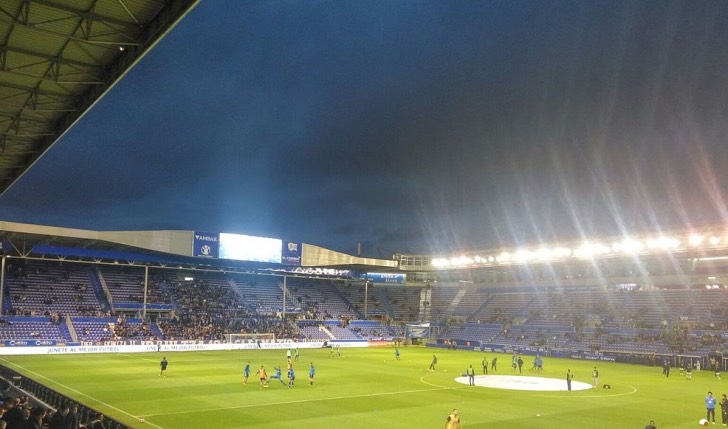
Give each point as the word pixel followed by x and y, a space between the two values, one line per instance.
pixel 544 254
pixel 504 257
pixel 589 250
pixel 522 255
pixel 664 243
pixel 438 262
pixel 631 246
pixel 561 252
pixel 696 239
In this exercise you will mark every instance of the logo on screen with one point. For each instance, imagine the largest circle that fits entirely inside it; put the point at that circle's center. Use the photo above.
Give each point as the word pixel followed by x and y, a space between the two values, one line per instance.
pixel 292 247
pixel 206 250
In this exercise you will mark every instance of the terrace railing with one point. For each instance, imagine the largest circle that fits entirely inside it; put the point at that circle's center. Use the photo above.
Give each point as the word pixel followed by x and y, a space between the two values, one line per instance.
pixel 46 395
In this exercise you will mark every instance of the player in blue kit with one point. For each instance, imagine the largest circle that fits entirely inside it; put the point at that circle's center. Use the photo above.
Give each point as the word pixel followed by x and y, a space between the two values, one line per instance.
pixel 311 374
pixel 277 375
pixel 291 377
pixel 246 373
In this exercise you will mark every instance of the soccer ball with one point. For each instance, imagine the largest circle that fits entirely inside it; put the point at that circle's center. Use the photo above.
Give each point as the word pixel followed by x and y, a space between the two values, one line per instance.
pixel 703 422
pixel 444 370
pixel 141 420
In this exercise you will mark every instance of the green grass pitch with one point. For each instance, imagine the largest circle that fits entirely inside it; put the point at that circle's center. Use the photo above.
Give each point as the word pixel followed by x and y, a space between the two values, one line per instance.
pixel 362 389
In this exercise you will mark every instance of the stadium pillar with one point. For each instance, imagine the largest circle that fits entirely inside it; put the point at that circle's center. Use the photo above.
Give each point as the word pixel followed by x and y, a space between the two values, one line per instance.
pixel 146 282
pixel 285 279
pixel 2 282
pixel 366 299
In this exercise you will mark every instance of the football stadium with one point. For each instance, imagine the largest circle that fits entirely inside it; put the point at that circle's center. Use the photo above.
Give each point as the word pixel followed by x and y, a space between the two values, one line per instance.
pixel 173 329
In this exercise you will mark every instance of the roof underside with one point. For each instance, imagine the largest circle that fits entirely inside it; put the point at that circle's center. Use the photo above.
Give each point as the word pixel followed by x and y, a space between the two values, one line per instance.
pixel 57 58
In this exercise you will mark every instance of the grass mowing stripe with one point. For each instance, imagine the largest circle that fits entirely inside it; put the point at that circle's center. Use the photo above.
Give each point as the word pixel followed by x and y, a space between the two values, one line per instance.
pixel 362 389
pixel 300 401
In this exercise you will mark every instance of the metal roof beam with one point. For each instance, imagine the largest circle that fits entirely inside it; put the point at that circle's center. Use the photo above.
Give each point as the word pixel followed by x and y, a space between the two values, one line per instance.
pixel 135 37
pixel 6 151
pixel 28 111
pixel 10 135
pixel 5 49
pixel 113 44
pixel 29 90
pixel 56 80
pixel 85 14
pixel 22 13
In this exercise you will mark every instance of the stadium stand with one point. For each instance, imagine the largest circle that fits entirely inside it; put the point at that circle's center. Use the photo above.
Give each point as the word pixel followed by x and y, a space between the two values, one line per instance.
pixel 401 302
pixel 49 300
pixel 37 288
pixel 319 299
pixel 36 328
pixel 126 286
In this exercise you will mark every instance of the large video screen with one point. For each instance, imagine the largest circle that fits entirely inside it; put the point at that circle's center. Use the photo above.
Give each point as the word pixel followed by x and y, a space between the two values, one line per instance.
pixel 249 248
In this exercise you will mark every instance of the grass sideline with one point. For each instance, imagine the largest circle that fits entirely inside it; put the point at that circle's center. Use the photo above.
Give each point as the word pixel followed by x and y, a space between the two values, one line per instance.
pixel 364 388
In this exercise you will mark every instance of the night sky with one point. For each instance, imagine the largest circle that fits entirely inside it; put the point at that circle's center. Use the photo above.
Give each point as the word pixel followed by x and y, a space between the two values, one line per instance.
pixel 409 126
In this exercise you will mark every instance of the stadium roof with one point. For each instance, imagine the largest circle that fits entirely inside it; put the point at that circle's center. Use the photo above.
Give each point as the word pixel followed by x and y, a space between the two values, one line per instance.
pixel 58 58
pixel 162 247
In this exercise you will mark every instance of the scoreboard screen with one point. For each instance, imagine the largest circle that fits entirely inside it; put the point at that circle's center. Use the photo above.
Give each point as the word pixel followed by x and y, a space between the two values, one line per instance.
pixel 249 248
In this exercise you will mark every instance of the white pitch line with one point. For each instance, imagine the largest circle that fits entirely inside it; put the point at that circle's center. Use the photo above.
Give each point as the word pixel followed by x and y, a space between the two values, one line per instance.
pixel 78 392
pixel 605 395
pixel 422 380
pixel 137 357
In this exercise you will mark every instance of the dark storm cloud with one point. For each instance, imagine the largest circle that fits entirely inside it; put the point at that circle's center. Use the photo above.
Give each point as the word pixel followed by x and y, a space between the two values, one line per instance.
pixel 418 126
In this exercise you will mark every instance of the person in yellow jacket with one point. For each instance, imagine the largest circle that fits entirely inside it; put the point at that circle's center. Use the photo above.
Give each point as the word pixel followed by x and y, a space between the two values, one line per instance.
pixel 453 420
